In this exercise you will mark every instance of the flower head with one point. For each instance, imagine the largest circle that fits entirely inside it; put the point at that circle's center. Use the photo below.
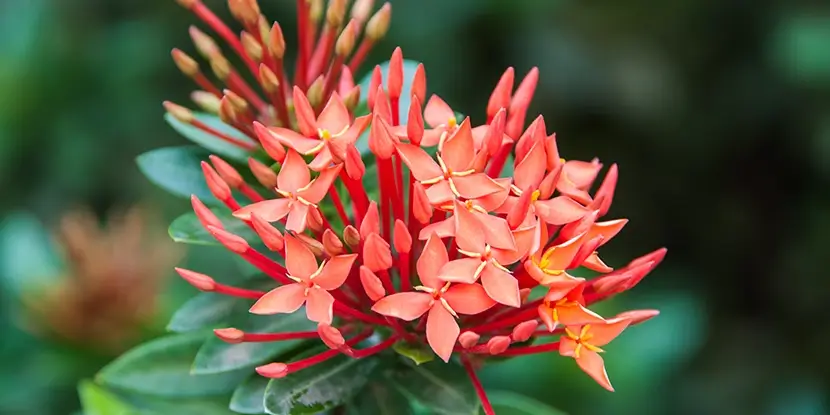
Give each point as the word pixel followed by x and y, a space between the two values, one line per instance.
pixel 448 250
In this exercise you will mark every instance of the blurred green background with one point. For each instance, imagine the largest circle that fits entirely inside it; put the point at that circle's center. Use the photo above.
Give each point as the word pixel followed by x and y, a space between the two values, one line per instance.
pixel 717 112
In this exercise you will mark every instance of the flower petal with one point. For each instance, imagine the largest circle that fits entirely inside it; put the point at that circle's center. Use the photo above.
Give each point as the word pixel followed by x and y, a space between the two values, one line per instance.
pixel 530 171
pixel 371 284
pixel 376 253
pixel 437 112
pixel 319 307
pixel 297 217
pixel 572 314
pixel 440 193
pixel 476 185
pixel 305 113
pixel 496 231
pixel 560 210
pixel 468 233
pixel 335 272
pixel 294 173
pixel 460 270
pixel 334 117
pixel 268 210
pixel 458 150
pixel 432 259
pixel 442 331
pixel 296 141
pixel 299 260
pixel 604 333
pixel 582 173
pixel 285 299
pixel 318 188
pixel 322 160
pixel 468 299
pixel 591 363
pixel 608 230
pixel 501 286
pixel 444 229
pixel 494 201
pixel 421 164
pixel 405 306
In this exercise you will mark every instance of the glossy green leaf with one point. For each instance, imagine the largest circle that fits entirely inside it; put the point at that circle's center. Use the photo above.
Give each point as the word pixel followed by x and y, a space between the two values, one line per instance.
pixel 249 396
pixel 209 141
pixel 162 368
pixel 205 310
pixel 511 403
pixel 96 400
pixel 187 229
pixel 443 388
pixel 318 388
pixel 177 170
pixel 217 356
pixel 28 258
pixel 379 398
pixel 419 354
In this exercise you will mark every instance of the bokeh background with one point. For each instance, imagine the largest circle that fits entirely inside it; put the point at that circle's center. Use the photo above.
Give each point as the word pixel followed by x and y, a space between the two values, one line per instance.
pixel 717 112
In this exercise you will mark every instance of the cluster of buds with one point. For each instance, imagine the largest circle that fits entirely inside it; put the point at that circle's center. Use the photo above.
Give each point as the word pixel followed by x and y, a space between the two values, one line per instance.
pixel 328 54
pixel 107 296
pixel 453 254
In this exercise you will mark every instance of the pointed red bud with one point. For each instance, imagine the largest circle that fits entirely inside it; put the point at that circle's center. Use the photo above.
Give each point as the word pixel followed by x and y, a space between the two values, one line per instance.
pixel 205 215
pixel 354 163
pixel 232 242
pixel 371 284
pixel 202 282
pixel 520 102
pixel 376 253
pixel 271 236
pixel 331 243
pixel 245 11
pixel 268 79
pixel 381 142
pixel 330 336
pixel 655 257
pixel 495 132
pixel 382 106
pixel 315 221
pixel 375 82
pixel 351 237
pixel 315 91
pixel 252 46
pixel 637 316
pixel 273 370
pixel 402 238
pixel 605 193
pixel 395 81
pixel 519 211
pixel 315 246
pixel 346 83
pixel 371 221
pixel 378 25
pixel 276 43
pixel 587 248
pixel 230 335
pixel 419 83
pixel 498 344
pixel 227 172
pixel 217 186
pixel 305 113
pixel 500 98
pixel 421 208
pixel 269 142
pixel 263 173
pixel 524 330
pixel 468 339
pixel 524 293
pixel 415 123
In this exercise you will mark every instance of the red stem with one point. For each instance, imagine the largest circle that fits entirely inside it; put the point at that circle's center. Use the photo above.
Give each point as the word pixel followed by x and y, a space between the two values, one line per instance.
pixel 237 292
pixel 205 84
pixel 323 51
pixel 275 337
pixel 482 396
pixel 505 322
pixel 350 312
pixel 526 350
pixel 250 193
pixel 403 269
pixel 238 85
pixel 360 201
pixel 304 43
pixel 222 136
pixel 338 205
pixel 266 265
pixel 359 354
pixel 360 55
pixel 332 76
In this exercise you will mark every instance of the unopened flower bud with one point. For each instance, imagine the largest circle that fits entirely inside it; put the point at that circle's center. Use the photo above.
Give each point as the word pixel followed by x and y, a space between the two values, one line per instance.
pixel 263 173
pixel 218 187
pixel 352 98
pixel 415 122
pixel 178 112
pixel 220 66
pixel 276 41
pixel 361 9
pixel 498 344
pixel 375 82
pixel 206 46
pixel 227 172
pixel 371 221
pixel 252 46
pixel 336 12
pixel 331 243
pixel 185 63
pixel 379 23
pixel 271 236
pixel 230 335
pixel 315 91
pixel 395 82
pixel 345 43
pixel 330 336
pixel 202 282
pixel 245 11
pixel 315 223
pixel 187 4
pixel 206 101
pixel 227 111
pixel 206 216
pixel 371 284
pixel 468 339
pixel 315 11
pixel 524 330
pixel 351 237
pixel 376 253
pixel 419 83
pixel 500 98
pixel 402 238
pixel 268 79
pixel 232 242
pixel 239 103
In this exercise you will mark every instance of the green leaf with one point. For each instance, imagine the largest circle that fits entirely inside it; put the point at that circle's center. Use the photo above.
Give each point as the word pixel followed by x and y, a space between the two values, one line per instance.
pixel 162 368
pixel 209 141
pixel 319 387
pixel 206 310
pixel 96 400
pixel 217 356
pixel 28 259
pixel 187 229
pixel 249 396
pixel 443 388
pixel 511 403
pixel 379 398
pixel 419 354
pixel 177 170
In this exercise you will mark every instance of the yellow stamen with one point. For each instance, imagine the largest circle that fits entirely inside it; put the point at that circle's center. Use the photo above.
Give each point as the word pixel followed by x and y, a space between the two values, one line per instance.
pixel 452 123
pixel 324 134
pixel 535 196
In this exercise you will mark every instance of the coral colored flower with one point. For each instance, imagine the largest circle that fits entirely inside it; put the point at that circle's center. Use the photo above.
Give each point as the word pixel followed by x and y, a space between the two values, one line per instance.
pixel 583 344
pixel 444 253
pixel 312 284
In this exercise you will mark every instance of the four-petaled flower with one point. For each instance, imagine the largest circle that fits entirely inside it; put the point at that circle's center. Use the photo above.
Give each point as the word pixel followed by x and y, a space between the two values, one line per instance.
pixel 583 344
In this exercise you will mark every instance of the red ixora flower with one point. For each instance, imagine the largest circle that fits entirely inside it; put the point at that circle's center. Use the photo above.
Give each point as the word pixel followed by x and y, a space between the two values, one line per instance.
pixel 451 254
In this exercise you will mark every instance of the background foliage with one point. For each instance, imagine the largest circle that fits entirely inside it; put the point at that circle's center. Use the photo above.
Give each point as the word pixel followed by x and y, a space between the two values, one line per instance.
pixel 718 113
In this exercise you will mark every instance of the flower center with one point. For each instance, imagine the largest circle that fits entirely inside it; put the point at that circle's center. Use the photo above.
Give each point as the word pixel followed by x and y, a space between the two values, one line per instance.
pixel 535 196
pixel 324 134
pixel 582 340
pixel 452 123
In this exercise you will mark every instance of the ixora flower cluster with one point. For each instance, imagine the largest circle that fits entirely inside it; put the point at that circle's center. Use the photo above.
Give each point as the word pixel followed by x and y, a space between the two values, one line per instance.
pixel 468 244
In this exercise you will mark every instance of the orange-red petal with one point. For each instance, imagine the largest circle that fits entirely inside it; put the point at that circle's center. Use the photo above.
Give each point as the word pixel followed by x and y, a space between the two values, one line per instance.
pixel 442 331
